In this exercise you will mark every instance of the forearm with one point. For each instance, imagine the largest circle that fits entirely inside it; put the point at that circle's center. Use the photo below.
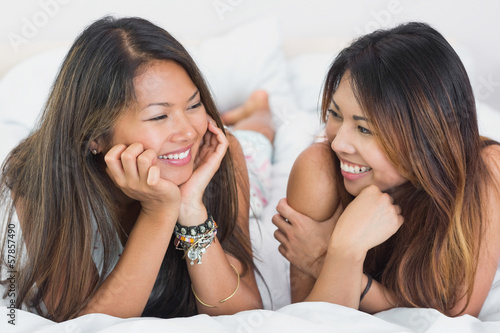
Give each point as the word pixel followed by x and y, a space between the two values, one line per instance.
pixel 340 280
pixel 215 280
pixel 301 284
pixel 126 290
pixel 378 298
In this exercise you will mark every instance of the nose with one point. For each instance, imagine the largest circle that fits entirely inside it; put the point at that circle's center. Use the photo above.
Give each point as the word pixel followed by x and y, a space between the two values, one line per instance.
pixel 183 129
pixel 342 143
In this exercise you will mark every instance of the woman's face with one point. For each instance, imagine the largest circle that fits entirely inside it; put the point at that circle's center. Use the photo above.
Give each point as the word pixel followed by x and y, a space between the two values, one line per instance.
pixel 363 162
pixel 168 117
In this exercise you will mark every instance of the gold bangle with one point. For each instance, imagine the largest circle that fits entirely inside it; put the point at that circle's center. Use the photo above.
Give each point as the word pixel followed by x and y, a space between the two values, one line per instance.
pixel 222 300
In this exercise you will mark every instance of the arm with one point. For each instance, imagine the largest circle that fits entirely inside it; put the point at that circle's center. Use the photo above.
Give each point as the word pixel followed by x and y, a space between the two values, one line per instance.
pixel 367 221
pixel 311 192
pixel 126 290
pixel 215 279
pixel 379 298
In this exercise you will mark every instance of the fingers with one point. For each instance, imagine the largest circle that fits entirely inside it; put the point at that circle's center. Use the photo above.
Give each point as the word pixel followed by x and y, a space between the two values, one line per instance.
pixel 145 162
pixel 218 140
pixel 281 223
pixel 114 162
pixel 280 236
pixel 132 164
pixel 283 208
pixel 210 153
pixel 153 176
pixel 283 251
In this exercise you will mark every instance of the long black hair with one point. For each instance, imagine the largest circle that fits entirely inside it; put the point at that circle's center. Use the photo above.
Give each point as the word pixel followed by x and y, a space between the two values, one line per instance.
pixel 415 91
pixel 63 189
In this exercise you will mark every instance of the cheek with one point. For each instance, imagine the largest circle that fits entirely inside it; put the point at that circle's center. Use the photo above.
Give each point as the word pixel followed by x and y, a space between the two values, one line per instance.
pixel 387 175
pixel 331 129
pixel 200 122
pixel 148 137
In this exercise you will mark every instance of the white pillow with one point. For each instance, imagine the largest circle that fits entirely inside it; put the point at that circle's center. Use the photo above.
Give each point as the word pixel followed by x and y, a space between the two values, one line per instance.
pixel 247 58
pixel 25 88
pixel 307 75
pixel 235 64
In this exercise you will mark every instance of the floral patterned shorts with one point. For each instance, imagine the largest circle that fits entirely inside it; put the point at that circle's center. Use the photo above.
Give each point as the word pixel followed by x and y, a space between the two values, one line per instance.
pixel 258 153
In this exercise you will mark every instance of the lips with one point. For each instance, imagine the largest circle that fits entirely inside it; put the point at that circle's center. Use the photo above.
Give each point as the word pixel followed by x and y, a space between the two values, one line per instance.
pixel 175 156
pixel 179 157
pixel 354 168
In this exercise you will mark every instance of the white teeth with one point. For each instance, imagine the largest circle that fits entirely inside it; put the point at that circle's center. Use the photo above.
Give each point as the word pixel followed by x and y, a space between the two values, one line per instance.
pixel 175 156
pixel 354 169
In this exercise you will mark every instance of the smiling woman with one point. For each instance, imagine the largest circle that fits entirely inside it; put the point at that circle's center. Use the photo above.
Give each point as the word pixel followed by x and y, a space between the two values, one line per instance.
pixel 362 160
pixel 167 117
pixel 402 206
pixel 129 163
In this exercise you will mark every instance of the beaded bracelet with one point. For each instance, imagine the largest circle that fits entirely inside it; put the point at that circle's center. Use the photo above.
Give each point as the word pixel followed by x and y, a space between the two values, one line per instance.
pixel 195 240
pixel 197 230
pixel 188 239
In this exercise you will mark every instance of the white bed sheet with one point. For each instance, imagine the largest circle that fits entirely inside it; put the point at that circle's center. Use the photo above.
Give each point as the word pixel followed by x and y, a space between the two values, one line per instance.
pixel 294 88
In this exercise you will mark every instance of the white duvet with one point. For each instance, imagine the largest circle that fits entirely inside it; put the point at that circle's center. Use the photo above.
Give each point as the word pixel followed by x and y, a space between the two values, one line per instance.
pixel 294 87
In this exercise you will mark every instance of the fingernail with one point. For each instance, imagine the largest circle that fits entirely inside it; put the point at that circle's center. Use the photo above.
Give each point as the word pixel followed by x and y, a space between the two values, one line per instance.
pixel 211 121
pixel 153 175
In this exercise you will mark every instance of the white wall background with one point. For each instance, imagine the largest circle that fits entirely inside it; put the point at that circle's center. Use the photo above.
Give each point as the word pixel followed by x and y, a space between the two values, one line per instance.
pixel 28 26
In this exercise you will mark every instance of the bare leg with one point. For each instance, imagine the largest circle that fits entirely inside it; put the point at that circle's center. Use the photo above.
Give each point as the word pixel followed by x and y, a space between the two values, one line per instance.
pixel 253 115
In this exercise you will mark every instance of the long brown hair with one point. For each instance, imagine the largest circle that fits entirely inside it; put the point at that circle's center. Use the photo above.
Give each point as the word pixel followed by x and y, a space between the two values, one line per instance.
pixel 61 190
pixel 414 89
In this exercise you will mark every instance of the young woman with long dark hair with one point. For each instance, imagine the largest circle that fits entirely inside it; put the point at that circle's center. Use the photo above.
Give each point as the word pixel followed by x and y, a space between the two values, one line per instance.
pixel 130 163
pixel 407 190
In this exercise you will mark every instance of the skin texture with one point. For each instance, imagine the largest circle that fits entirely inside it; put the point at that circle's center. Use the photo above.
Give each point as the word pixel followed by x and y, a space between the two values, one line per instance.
pixel 351 139
pixel 169 118
pixel 328 265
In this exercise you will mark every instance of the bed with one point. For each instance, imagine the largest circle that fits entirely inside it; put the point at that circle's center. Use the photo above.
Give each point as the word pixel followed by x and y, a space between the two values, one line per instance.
pixel 234 67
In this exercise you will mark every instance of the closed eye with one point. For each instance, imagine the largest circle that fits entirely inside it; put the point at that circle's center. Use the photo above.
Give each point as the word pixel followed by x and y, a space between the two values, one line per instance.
pixel 163 116
pixel 197 105
pixel 334 113
pixel 364 130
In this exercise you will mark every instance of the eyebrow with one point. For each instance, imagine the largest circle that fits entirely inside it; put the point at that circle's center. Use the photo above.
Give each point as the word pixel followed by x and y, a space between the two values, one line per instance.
pixel 360 118
pixel 353 117
pixel 167 104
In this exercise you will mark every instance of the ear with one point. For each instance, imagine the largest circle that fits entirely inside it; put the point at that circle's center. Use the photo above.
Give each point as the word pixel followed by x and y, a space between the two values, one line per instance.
pixel 94 147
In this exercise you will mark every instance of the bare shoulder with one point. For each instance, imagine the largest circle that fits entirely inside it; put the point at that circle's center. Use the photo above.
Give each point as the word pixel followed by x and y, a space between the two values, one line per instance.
pixel 491 156
pixel 311 185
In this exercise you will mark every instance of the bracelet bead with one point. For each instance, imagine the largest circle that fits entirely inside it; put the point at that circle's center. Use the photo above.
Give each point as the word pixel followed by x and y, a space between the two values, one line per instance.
pixel 195 240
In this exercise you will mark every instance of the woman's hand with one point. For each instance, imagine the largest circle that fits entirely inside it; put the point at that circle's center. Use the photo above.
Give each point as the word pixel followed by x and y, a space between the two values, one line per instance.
pixel 135 172
pixel 210 154
pixel 369 220
pixel 304 241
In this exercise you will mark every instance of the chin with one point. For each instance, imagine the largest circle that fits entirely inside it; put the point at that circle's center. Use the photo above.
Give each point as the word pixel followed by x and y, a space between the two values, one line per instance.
pixel 178 178
pixel 354 190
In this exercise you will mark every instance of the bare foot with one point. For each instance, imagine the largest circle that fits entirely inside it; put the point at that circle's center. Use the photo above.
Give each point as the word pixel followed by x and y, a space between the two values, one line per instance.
pixel 254 115
pixel 257 101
